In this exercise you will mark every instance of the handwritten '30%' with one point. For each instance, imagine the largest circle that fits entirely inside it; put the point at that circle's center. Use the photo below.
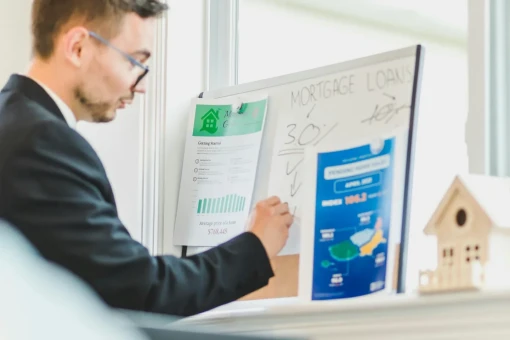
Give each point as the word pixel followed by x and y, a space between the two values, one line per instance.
pixel 298 137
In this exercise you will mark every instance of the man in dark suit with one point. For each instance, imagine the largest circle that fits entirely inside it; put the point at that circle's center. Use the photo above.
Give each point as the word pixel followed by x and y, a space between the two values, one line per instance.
pixel 89 61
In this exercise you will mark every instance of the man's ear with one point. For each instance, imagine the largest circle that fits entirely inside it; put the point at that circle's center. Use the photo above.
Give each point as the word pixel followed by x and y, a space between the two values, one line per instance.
pixel 76 41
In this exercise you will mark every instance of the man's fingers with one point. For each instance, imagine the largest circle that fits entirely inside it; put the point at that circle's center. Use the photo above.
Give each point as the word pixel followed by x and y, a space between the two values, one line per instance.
pixel 281 209
pixel 290 219
pixel 287 219
pixel 273 200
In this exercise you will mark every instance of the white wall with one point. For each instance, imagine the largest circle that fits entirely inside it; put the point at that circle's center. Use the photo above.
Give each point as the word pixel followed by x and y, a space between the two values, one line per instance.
pixel 14 37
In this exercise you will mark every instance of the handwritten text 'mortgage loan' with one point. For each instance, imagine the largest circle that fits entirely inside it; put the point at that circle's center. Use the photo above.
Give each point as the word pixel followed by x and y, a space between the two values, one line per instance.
pixel 346 85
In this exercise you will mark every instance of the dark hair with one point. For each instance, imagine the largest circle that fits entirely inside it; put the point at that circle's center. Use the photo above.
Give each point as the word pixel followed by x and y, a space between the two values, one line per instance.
pixel 50 16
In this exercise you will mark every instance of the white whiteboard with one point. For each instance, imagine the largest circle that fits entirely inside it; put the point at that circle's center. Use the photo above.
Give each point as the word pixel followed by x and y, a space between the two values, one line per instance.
pixel 363 97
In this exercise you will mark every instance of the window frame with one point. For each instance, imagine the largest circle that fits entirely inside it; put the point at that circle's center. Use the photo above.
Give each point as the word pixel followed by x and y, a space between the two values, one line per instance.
pixel 477 124
pixel 153 132
pixel 222 43
pixel 497 71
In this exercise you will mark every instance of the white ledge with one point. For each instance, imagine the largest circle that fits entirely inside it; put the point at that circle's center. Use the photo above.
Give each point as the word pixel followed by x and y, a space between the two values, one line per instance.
pixel 471 315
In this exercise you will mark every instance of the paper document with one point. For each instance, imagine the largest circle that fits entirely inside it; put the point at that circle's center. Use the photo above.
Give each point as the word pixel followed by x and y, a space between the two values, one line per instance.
pixel 348 220
pixel 219 170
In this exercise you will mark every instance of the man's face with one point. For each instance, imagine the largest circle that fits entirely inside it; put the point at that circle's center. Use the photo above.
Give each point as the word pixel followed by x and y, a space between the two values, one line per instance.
pixel 106 82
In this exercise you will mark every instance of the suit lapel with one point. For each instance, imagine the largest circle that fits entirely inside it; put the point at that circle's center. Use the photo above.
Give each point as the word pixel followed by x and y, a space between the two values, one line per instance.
pixel 30 89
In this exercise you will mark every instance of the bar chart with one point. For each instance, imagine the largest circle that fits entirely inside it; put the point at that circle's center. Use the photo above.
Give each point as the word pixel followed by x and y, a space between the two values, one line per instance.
pixel 221 205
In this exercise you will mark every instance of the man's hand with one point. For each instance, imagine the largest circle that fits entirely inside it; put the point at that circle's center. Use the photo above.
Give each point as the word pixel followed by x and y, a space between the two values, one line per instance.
pixel 270 221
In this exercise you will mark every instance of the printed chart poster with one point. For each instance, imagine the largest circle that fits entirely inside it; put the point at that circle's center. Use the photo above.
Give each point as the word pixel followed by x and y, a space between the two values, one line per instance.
pixel 352 220
pixel 219 170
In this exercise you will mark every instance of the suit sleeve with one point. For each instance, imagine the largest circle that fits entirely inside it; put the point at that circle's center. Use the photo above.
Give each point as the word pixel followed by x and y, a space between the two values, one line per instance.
pixel 55 190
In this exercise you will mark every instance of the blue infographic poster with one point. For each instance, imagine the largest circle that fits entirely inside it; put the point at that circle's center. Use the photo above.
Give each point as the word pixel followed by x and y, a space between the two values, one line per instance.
pixel 352 220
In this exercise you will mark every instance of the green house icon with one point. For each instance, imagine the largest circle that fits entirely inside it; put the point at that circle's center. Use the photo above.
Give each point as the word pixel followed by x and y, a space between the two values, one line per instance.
pixel 210 121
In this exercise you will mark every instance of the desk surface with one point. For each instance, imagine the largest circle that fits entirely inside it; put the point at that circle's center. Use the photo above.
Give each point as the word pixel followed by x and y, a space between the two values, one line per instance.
pixel 472 315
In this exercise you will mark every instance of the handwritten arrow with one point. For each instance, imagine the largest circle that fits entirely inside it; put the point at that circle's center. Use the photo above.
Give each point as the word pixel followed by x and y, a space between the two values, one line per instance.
pixel 293 189
pixel 310 112
pixel 294 168
pixel 388 95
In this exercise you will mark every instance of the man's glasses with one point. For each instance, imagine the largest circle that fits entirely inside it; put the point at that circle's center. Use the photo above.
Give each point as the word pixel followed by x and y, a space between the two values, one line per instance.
pixel 132 60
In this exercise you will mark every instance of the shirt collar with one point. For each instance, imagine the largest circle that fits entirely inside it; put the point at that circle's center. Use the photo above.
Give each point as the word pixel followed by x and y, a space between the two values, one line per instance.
pixel 63 107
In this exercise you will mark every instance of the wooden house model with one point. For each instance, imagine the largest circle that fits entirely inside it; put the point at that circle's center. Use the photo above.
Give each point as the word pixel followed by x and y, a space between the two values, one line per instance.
pixel 472 230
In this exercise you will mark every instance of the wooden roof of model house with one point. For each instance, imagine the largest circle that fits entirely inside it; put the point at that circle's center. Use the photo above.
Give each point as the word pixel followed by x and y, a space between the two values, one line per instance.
pixel 491 193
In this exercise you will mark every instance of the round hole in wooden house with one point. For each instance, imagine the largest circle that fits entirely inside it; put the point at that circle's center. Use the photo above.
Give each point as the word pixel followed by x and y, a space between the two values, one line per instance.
pixel 461 217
